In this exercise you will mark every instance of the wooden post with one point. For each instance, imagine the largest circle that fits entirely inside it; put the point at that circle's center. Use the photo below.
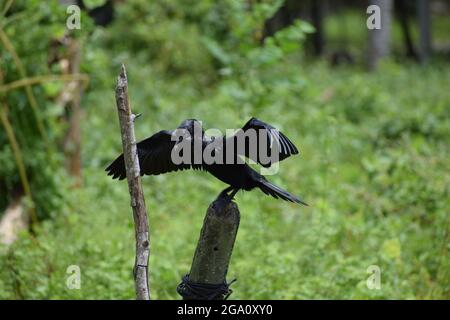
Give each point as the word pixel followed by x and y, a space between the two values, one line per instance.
pixel 126 119
pixel 215 245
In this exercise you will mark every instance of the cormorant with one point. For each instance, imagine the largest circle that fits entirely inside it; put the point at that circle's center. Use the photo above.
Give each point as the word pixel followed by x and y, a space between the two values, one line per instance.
pixel 156 156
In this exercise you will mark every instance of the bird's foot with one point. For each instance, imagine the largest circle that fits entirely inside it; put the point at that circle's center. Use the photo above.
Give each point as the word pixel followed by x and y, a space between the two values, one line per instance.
pixel 225 196
pixel 222 201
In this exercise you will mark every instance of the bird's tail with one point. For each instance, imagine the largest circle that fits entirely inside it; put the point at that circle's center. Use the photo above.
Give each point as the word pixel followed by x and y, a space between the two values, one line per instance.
pixel 276 192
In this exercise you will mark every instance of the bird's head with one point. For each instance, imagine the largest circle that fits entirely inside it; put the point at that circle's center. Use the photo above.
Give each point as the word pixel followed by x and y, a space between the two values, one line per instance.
pixel 194 127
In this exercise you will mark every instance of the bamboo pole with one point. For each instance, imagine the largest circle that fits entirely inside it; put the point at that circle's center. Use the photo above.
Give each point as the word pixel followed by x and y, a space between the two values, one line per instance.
pixel 20 164
pixel 44 78
pixel 31 98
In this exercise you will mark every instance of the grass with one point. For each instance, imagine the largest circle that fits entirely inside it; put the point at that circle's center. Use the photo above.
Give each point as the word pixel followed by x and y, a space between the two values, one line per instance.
pixel 374 167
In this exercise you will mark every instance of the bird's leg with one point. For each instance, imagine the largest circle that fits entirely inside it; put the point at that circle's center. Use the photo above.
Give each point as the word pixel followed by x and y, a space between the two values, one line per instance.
pixel 228 197
pixel 232 194
pixel 224 193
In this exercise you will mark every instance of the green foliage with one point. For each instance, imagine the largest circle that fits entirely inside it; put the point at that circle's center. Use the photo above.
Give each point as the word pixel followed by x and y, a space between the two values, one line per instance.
pixel 42 161
pixel 374 165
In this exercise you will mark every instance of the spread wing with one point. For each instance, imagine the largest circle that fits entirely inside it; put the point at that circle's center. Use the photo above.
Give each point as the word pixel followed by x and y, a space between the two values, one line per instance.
pixel 277 146
pixel 154 155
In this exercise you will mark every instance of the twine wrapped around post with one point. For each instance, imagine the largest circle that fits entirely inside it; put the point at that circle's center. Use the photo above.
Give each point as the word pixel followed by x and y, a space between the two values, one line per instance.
pixel 207 278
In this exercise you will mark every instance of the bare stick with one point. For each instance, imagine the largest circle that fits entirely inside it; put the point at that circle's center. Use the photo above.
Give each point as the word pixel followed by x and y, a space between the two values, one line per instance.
pixel 126 119
pixel 215 245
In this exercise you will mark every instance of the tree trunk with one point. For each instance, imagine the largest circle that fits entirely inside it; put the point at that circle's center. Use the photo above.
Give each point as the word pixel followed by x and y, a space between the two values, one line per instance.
pixel 72 143
pixel 317 11
pixel 379 39
pixel 403 13
pixel 423 12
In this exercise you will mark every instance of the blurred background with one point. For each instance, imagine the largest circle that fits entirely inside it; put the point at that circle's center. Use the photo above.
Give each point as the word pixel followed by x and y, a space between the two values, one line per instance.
pixel 368 109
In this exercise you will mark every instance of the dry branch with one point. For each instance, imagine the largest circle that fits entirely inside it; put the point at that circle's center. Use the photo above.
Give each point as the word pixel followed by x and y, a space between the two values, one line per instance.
pixel 126 119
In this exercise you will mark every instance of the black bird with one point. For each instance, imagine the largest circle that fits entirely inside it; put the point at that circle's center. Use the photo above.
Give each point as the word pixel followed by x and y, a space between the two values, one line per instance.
pixel 155 158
